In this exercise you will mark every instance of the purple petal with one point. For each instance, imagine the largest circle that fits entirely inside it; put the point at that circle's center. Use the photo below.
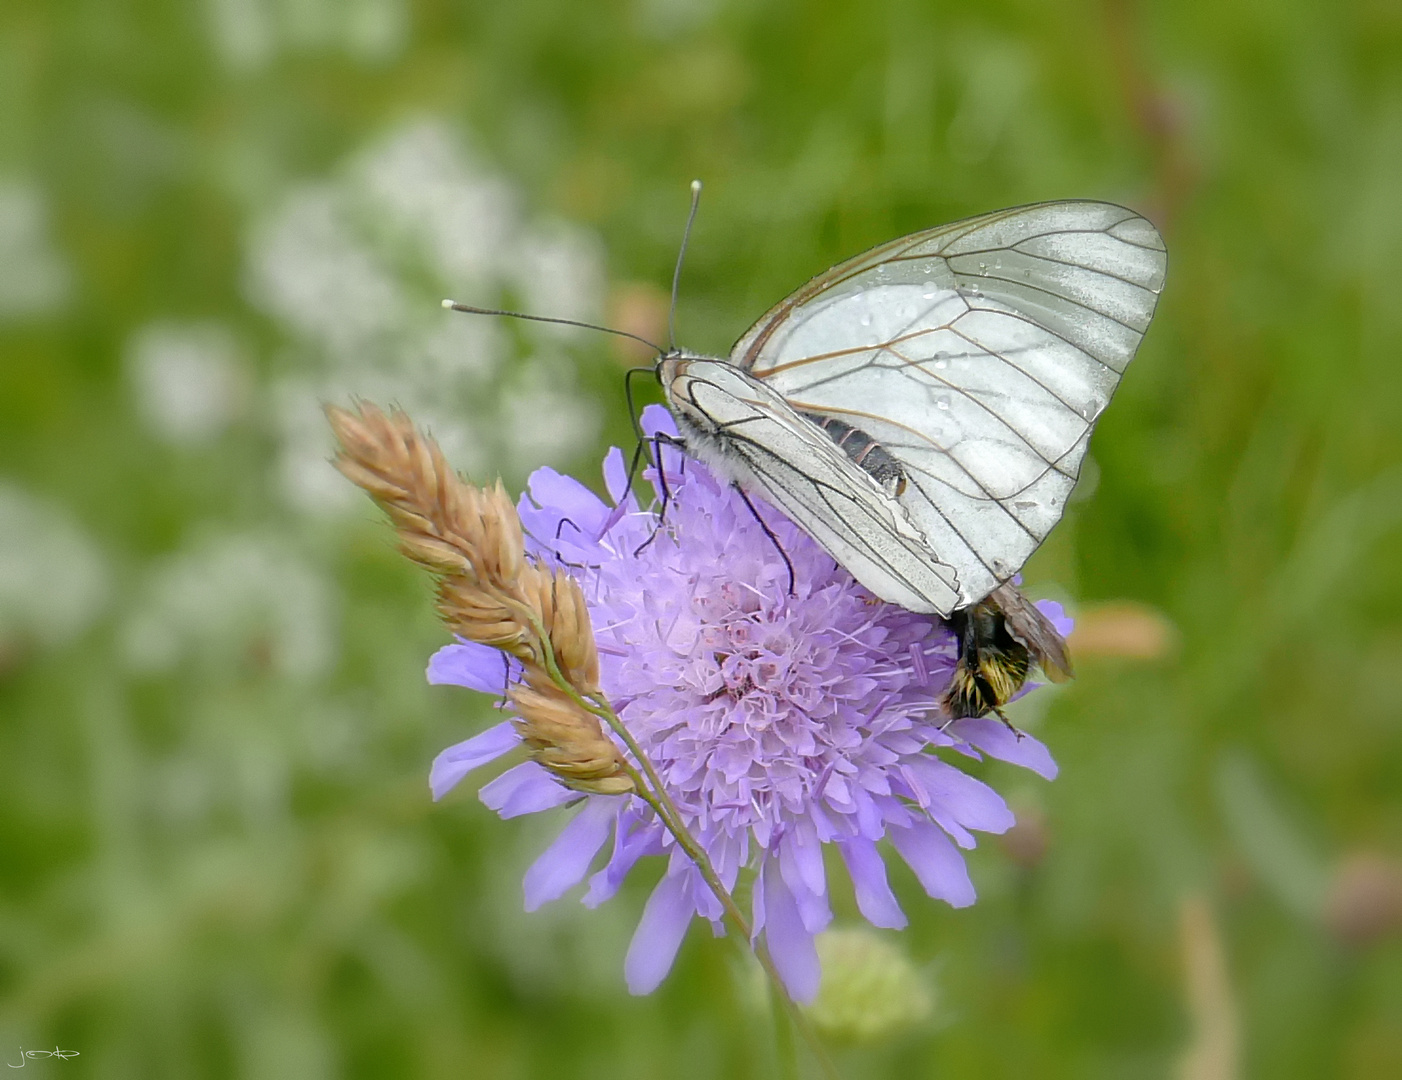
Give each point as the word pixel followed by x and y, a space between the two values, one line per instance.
pixel 454 763
pixel 656 420
pixel 630 843
pixel 477 667
pixel 970 802
pixel 868 818
pixel 807 852
pixel 561 516
pixel 867 870
pixel 790 943
pixel 994 739
pixel 659 934
pixel 566 496
pixel 707 906
pixel 757 913
pixel 564 863
pixel 957 832
pixel 525 789
pixel 615 475
pixel 801 865
pixel 1057 614
pixel 936 862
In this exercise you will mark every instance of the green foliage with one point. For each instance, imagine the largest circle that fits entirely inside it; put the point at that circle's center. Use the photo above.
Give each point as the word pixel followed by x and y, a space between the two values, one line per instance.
pixel 220 859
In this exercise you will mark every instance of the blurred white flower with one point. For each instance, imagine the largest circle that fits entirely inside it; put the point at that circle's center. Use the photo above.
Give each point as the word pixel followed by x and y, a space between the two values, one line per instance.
pixel 558 270
pixel 673 18
pixel 34 278
pixel 248 34
pixel 460 350
pixel 231 600
pixel 53 578
pixel 424 191
pixel 354 269
pixel 309 271
pixel 189 379
pixel 303 475
pixel 542 420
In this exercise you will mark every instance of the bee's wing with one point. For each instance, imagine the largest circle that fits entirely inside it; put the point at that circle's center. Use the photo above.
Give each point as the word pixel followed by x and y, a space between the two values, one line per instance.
pixel 1034 630
pixel 764 444
pixel 979 354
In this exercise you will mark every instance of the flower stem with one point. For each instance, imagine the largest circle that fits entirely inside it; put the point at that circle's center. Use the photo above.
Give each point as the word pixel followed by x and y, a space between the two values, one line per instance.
pixel 653 792
pixel 741 926
pixel 783 1037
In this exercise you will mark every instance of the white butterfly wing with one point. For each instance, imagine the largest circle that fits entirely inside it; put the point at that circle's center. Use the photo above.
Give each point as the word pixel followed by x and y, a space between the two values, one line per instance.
pixel 746 431
pixel 980 355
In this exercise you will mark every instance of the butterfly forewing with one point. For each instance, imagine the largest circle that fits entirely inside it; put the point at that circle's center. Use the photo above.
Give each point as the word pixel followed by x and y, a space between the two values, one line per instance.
pixel 979 354
pixel 748 432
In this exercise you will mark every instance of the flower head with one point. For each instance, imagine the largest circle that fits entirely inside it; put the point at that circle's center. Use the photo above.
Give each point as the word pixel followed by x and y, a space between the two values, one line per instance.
pixel 778 721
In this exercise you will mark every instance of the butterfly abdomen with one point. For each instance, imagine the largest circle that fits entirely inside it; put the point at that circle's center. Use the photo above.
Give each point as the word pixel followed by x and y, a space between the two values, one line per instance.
pixel 865 451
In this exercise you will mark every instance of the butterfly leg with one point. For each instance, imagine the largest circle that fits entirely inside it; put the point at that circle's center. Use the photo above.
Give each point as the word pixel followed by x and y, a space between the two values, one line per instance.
pixel 769 533
pixel 507 674
pixel 643 442
pixel 658 441
pixel 559 529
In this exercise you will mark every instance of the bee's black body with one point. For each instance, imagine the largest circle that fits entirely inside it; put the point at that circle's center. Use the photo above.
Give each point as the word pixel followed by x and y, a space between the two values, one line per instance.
pixel 992 664
pixel 999 640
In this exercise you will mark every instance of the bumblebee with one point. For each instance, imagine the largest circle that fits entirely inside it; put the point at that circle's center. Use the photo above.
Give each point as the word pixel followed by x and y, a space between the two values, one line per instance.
pixel 1000 638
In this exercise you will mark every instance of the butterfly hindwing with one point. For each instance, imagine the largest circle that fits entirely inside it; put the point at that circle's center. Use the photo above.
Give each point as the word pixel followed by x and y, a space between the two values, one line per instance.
pixel 979 355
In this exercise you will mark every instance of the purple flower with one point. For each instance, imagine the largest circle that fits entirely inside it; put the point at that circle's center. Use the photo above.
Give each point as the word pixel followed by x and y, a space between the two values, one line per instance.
pixel 778 723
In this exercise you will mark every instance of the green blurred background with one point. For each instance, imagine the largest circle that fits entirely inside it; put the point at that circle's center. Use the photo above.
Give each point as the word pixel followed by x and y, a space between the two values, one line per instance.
pixel 219 854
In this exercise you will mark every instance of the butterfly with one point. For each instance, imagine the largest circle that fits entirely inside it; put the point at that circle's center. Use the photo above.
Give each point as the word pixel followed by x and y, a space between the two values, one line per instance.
pixel 922 411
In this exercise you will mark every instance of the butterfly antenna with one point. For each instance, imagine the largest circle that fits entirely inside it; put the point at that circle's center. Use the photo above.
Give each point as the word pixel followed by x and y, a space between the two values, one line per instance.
pixel 677 273
pixel 453 305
